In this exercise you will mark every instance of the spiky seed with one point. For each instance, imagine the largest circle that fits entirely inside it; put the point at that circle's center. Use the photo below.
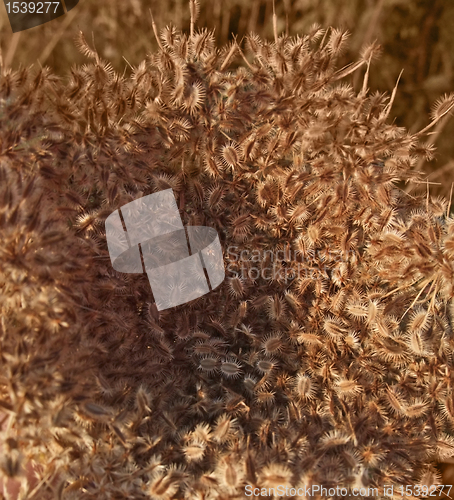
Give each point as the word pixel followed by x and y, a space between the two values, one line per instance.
pixel 225 428
pixel 194 451
pixel 209 364
pixel 236 286
pixel 272 343
pixel 230 155
pixel 274 475
pixel 162 486
pixel 231 368
pixel 304 387
pixel 266 366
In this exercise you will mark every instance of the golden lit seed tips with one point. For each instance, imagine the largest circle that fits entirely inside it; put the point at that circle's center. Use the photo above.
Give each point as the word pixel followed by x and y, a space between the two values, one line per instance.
pixel 229 473
pixel 87 222
pixel 163 486
pixel 345 387
pixel 225 428
pixel 334 327
pixel 420 321
pixel 334 438
pixel 194 451
pixel 264 397
pixel 303 363
pixel 357 310
pixel 304 387
pixel 274 475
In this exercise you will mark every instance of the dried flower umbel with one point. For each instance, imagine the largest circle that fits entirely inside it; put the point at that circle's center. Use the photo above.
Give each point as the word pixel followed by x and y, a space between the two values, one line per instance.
pixel 340 375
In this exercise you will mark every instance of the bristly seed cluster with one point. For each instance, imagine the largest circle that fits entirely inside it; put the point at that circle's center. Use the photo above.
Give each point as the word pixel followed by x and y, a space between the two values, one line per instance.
pixel 341 374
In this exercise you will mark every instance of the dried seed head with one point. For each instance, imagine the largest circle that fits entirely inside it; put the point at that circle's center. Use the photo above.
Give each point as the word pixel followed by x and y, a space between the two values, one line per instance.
pixel 194 451
pixel 372 455
pixel 335 438
pixel 418 345
pixel 276 307
pixel 225 428
pixel 272 343
pixel 264 397
pixel 163 486
pixel 352 340
pixel 202 433
pixel 345 387
pixel 209 364
pixel 229 473
pixel 87 222
pixel 293 300
pixel 417 407
pixel 334 327
pixel 266 366
pixel 395 401
pixel 420 321
pixel 231 368
pixel 230 155
pixel 304 387
pixel 214 196
pixel 393 350
pixel 442 106
pixel 250 383
pixel 194 97
pixel 236 287
pixel 274 475
pixel 357 310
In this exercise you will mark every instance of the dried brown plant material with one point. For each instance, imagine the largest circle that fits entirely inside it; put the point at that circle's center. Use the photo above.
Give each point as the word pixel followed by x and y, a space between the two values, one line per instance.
pixel 330 363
